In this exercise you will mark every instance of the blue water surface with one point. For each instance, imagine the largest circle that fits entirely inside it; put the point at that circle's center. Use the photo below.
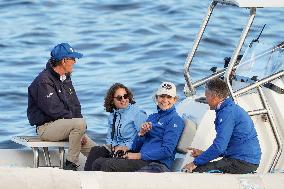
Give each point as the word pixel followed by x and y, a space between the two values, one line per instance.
pixel 139 43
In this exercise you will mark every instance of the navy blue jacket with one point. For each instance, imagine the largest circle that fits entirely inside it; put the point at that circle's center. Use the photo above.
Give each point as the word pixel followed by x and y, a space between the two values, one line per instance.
pixel 236 136
pixel 159 144
pixel 50 99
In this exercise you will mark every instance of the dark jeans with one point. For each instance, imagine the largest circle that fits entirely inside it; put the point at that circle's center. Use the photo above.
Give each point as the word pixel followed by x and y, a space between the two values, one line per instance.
pixel 228 165
pixel 95 153
pixel 154 167
pixel 118 164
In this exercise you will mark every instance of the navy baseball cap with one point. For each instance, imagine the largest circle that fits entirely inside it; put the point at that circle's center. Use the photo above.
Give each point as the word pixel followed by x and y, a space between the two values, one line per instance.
pixel 64 50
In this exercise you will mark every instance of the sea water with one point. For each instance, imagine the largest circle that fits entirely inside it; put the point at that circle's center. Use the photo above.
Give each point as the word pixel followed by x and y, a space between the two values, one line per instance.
pixel 139 43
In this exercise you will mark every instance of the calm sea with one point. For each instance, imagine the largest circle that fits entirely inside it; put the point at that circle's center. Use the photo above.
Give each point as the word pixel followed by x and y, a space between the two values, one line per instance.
pixel 139 43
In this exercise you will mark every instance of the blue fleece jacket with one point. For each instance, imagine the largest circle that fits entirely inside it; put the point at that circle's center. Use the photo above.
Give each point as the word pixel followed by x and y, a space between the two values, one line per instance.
pixel 127 125
pixel 236 136
pixel 159 144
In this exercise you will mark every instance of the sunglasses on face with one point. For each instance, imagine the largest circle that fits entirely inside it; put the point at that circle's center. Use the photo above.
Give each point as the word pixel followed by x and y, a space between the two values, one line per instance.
pixel 119 98
pixel 164 96
pixel 71 59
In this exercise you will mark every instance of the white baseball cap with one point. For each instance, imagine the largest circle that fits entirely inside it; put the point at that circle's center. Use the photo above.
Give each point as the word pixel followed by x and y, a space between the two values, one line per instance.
pixel 167 88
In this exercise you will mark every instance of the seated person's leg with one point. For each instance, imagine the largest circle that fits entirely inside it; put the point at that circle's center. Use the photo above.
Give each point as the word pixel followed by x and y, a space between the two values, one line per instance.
pixel 96 165
pixel 76 129
pixel 242 167
pixel 155 167
pixel 220 165
pixel 95 153
pixel 87 145
pixel 123 165
pixel 63 129
pixel 227 165
pixel 206 168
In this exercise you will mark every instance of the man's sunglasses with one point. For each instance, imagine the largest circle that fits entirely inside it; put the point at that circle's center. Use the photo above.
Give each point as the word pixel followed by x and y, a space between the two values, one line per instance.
pixel 71 59
pixel 119 98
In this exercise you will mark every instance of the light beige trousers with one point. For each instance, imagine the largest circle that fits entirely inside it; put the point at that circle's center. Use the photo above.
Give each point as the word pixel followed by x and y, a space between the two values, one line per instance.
pixel 68 129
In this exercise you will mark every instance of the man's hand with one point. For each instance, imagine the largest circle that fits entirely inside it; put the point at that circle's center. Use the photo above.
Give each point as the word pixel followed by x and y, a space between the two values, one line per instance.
pixel 83 140
pixel 188 168
pixel 195 152
pixel 146 127
pixel 132 156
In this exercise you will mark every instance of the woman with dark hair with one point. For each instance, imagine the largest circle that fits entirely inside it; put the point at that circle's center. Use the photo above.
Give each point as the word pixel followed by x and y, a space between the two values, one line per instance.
pixel 124 123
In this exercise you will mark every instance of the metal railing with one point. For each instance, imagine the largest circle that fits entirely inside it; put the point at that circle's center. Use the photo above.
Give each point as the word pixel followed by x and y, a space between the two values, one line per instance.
pixel 226 72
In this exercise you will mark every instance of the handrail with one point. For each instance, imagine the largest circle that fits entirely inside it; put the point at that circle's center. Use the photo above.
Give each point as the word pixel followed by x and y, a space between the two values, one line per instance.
pixel 238 49
pixel 274 130
pixel 191 86
pixel 258 83
pixel 223 71
pixel 195 46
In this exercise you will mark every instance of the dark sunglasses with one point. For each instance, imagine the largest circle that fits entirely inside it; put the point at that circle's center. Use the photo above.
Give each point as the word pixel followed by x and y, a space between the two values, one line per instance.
pixel 71 59
pixel 164 96
pixel 119 98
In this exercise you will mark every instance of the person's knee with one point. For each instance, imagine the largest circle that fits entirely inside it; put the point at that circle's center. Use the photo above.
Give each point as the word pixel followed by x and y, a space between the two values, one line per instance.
pixel 96 165
pixel 108 166
pixel 81 125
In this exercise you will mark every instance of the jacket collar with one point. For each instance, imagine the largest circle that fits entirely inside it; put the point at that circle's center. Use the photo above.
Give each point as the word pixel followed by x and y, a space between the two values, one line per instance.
pixel 122 110
pixel 165 112
pixel 54 73
pixel 227 102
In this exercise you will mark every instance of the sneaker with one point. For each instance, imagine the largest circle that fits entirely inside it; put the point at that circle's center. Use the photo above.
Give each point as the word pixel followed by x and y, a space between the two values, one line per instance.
pixel 70 166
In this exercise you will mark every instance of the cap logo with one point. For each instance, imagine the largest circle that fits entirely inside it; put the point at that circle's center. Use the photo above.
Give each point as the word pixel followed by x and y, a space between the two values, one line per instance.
pixel 167 86
pixel 71 50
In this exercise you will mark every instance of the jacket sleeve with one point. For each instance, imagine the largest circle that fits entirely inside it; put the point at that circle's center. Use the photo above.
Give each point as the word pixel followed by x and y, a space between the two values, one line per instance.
pixel 108 139
pixel 139 118
pixel 49 102
pixel 137 143
pixel 224 125
pixel 171 136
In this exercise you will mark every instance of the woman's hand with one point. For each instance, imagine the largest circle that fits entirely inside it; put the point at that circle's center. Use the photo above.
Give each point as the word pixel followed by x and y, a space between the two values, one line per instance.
pixel 123 148
pixel 132 156
pixel 146 127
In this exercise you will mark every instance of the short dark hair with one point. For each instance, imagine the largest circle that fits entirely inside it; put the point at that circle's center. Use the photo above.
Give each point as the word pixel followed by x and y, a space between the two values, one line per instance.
pixel 218 88
pixel 54 62
pixel 108 104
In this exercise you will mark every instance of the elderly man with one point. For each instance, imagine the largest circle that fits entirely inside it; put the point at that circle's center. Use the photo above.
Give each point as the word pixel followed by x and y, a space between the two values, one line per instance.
pixel 236 138
pixel 54 108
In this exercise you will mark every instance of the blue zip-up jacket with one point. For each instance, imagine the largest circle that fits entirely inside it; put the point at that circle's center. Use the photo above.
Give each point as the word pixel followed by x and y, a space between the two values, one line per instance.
pixel 236 136
pixel 127 125
pixel 159 144
pixel 50 99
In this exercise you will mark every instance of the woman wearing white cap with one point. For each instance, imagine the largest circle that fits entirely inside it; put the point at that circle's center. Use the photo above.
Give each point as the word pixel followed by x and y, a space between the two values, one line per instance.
pixel 154 147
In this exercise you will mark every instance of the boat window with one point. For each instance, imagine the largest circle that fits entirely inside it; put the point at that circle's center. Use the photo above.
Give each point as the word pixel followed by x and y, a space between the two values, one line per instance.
pixel 259 61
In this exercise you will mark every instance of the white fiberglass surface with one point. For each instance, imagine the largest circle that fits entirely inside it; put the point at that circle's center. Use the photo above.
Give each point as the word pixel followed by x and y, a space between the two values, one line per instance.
pixel 256 3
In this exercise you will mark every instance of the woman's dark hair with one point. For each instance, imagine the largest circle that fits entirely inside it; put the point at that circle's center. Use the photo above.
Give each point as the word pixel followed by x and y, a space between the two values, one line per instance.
pixel 54 62
pixel 109 104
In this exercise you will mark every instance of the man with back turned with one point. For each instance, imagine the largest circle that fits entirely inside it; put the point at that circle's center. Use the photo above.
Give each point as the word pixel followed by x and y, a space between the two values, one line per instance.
pixel 236 138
